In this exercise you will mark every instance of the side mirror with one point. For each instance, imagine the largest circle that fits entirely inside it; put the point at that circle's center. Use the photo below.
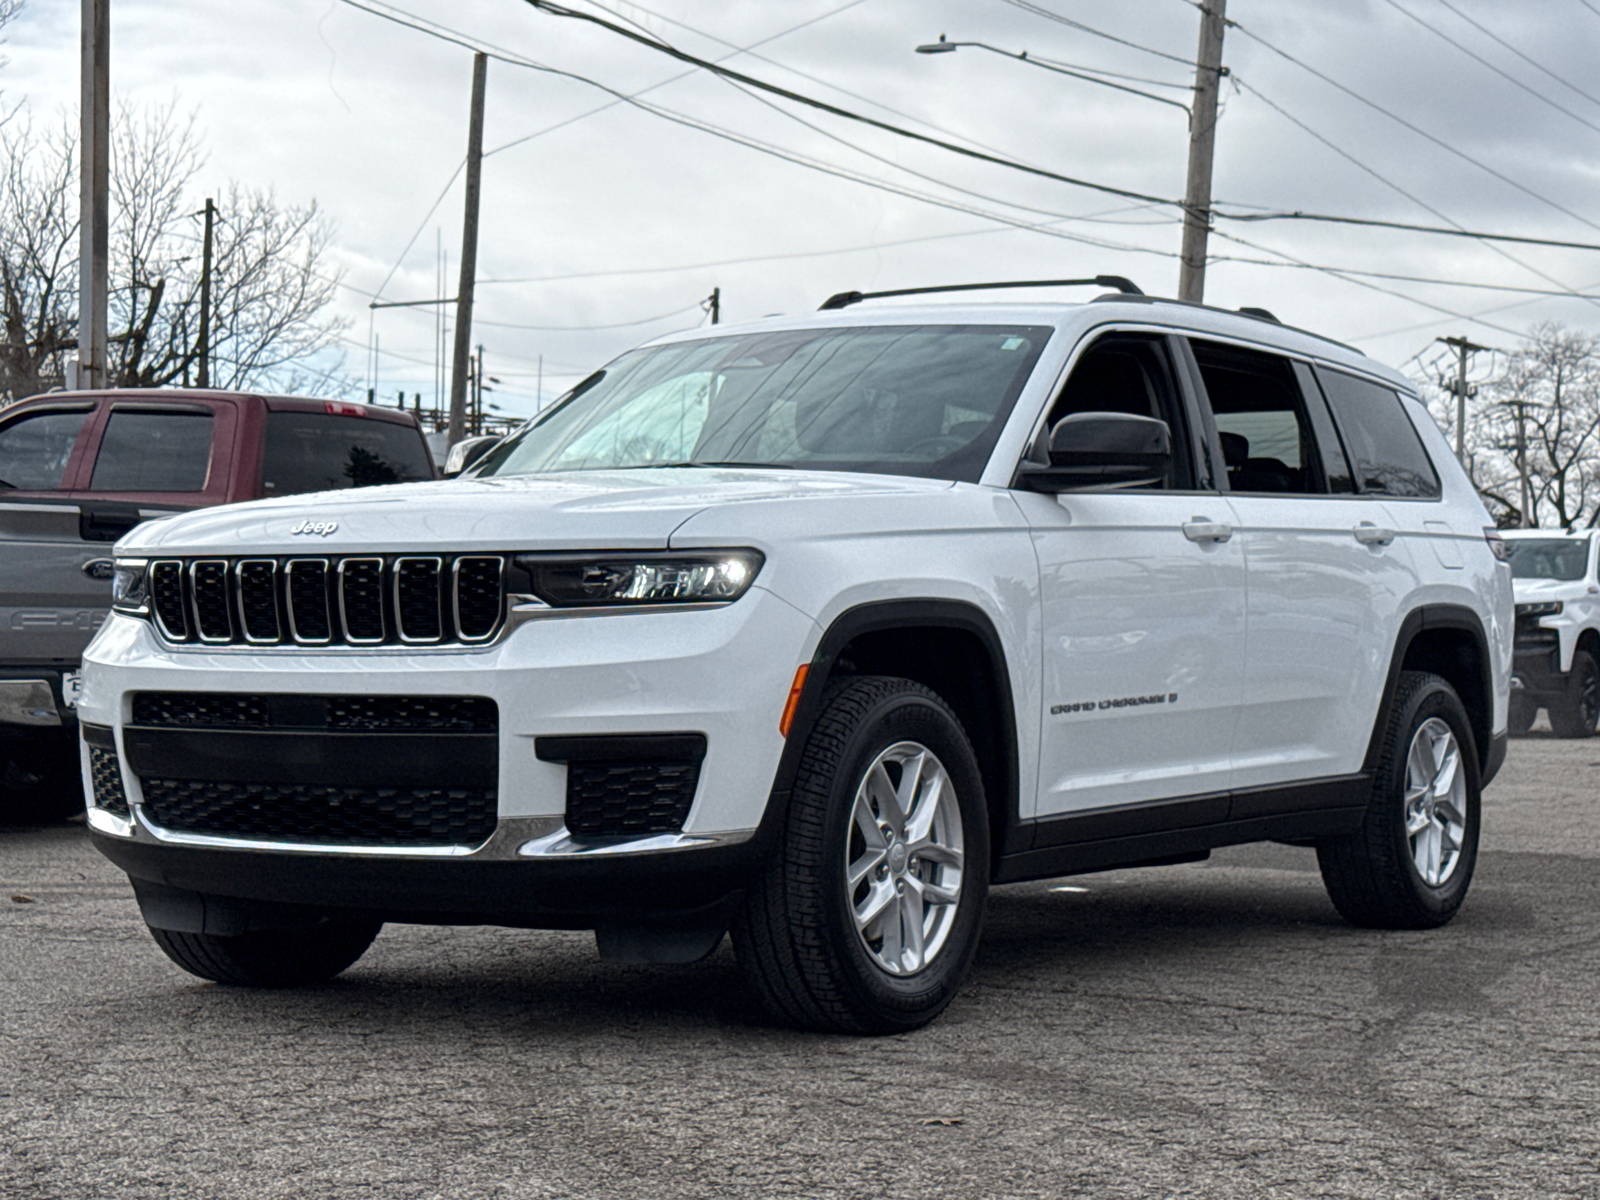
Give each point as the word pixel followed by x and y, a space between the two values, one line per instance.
pixel 1100 450
pixel 466 452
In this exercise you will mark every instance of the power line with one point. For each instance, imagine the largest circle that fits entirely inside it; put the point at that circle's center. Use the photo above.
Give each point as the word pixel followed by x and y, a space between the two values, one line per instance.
pixel 1039 11
pixel 1420 132
pixel 678 312
pixel 1478 58
pixel 1373 223
pixel 1532 62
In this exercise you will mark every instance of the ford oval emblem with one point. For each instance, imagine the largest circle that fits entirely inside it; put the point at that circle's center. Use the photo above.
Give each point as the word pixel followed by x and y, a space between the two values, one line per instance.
pixel 316 528
pixel 99 568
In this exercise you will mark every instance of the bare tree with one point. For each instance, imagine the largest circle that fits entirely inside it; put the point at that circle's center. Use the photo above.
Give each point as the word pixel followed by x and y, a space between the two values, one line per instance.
pixel 1536 432
pixel 269 295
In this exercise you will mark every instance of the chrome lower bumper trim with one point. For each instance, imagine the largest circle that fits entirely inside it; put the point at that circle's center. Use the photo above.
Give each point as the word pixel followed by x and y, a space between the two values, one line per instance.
pixel 562 844
pixel 28 702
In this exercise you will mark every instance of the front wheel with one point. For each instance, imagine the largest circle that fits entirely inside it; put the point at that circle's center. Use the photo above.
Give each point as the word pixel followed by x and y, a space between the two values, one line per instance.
pixel 867 919
pixel 270 958
pixel 1409 865
pixel 1575 714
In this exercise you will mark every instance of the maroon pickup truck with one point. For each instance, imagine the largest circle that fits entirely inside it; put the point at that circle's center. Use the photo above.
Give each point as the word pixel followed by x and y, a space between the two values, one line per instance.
pixel 80 469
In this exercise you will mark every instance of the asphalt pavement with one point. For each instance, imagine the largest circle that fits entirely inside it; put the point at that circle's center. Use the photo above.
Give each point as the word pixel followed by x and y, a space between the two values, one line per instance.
pixel 1211 1030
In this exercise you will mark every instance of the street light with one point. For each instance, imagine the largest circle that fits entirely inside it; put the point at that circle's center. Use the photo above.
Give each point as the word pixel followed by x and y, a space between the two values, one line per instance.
pixel 947 47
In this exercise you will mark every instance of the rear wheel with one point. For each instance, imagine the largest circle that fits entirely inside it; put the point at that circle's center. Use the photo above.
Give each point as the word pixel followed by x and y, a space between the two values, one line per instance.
pixel 1409 865
pixel 270 958
pixel 867 918
pixel 1575 714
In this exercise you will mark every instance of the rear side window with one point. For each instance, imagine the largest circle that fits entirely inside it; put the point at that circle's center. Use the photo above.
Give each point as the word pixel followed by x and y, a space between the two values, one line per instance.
pixel 1261 420
pixel 1383 444
pixel 34 449
pixel 318 452
pixel 154 452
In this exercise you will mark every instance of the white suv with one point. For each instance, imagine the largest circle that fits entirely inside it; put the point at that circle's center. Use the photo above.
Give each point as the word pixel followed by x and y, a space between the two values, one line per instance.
pixel 813 629
pixel 1556 582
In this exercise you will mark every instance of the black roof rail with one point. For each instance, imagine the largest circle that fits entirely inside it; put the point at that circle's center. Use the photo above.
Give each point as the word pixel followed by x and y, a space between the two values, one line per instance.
pixel 1252 311
pixel 845 299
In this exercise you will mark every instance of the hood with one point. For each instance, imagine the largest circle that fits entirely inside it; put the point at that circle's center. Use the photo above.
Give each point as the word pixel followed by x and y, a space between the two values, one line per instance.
pixel 613 510
pixel 1527 591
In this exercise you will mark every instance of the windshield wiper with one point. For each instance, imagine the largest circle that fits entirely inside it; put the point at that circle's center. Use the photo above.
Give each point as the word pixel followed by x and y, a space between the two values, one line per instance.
pixel 721 462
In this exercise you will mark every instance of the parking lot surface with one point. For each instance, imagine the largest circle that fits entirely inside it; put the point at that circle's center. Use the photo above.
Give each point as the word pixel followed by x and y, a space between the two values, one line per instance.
pixel 1210 1030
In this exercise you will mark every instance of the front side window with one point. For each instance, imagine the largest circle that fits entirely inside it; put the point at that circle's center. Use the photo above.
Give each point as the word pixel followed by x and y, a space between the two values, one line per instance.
pixel 35 449
pixel 154 451
pixel 1130 374
pixel 321 452
pixel 923 400
pixel 1383 443
pixel 1261 420
pixel 1547 558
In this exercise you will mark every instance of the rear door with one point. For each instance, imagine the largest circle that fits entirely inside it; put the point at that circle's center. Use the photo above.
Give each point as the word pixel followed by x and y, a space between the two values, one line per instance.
pixel 153 457
pixel 1328 576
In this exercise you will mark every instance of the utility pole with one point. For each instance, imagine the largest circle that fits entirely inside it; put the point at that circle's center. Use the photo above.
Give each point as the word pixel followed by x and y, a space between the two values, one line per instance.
pixel 469 253
pixel 1461 389
pixel 93 179
pixel 204 375
pixel 1525 497
pixel 1208 73
pixel 715 301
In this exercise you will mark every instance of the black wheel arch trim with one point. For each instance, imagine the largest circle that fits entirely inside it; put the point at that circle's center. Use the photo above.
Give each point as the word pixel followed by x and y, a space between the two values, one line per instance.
pixel 1419 620
pixel 872 617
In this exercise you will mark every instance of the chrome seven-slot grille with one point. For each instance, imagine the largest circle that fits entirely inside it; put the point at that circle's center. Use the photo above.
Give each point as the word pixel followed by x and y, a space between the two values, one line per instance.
pixel 351 600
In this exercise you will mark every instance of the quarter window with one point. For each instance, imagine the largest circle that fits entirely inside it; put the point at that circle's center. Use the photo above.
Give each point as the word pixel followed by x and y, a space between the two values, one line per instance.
pixel 1383 443
pixel 154 451
pixel 34 450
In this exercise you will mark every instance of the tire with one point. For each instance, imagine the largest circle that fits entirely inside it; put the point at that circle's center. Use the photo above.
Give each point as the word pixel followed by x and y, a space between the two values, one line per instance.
pixel 1519 717
pixel 270 958
pixel 1375 876
pixel 1575 714
pixel 799 942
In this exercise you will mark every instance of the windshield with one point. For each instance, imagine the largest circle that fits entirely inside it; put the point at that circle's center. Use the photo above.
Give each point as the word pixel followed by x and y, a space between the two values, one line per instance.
pixel 1548 558
pixel 924 400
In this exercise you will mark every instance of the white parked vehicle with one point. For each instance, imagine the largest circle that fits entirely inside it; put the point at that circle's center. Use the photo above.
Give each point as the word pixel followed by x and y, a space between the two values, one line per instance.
pixel 1556 583
pixel 813 630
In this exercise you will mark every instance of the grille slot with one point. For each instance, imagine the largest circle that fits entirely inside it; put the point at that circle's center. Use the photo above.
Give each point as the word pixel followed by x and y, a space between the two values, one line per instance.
pixel 333 815
pixel 105 781
pixel 354 714
pixel 208 581
pixel 362 600
pixel 166 594
pixel 478 590
pixel 615 799
pixel 416 600
pixel 306 580
pixel 258 600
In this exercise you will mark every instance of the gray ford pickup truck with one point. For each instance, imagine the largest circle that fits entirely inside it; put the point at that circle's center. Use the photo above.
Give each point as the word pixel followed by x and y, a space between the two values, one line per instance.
pixel 80 469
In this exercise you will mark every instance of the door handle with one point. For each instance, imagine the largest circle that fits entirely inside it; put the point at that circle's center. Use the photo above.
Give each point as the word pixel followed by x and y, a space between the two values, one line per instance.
pixel 1369 534
pixel 1203 529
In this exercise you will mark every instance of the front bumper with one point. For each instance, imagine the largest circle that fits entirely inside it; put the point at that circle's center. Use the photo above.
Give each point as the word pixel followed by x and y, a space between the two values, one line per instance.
pixel 722 674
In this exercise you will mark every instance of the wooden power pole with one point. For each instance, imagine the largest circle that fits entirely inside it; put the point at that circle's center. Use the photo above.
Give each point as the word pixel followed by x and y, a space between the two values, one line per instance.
pixel 462 362
pixel 1208 71
pixel 1461 389
pixel 93 179
pixel 203 373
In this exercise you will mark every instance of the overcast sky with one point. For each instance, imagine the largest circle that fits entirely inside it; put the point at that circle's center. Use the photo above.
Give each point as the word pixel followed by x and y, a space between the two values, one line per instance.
pixel 601 229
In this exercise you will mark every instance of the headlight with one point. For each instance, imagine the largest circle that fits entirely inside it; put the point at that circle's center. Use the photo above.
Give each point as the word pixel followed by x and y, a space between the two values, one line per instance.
pixel 618 580
pixel 130 587
pixel 1541 608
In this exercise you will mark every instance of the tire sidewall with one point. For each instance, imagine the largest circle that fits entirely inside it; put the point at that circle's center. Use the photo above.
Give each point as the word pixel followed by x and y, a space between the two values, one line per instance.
pixel 918 716
pixel 1434 699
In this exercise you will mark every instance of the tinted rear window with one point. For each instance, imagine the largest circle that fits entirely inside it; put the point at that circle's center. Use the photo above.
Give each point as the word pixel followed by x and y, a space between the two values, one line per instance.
pixel 154 452
pixel 318 452
pixel 1383 443
pixel 34 450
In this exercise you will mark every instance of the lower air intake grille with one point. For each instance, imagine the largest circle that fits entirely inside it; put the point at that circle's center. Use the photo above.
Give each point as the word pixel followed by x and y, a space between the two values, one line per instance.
pixel 105 777
pixel 330 815
pixel 616 799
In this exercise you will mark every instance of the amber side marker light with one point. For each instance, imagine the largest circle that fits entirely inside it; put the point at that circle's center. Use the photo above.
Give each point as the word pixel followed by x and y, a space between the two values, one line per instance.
pixel 793 702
